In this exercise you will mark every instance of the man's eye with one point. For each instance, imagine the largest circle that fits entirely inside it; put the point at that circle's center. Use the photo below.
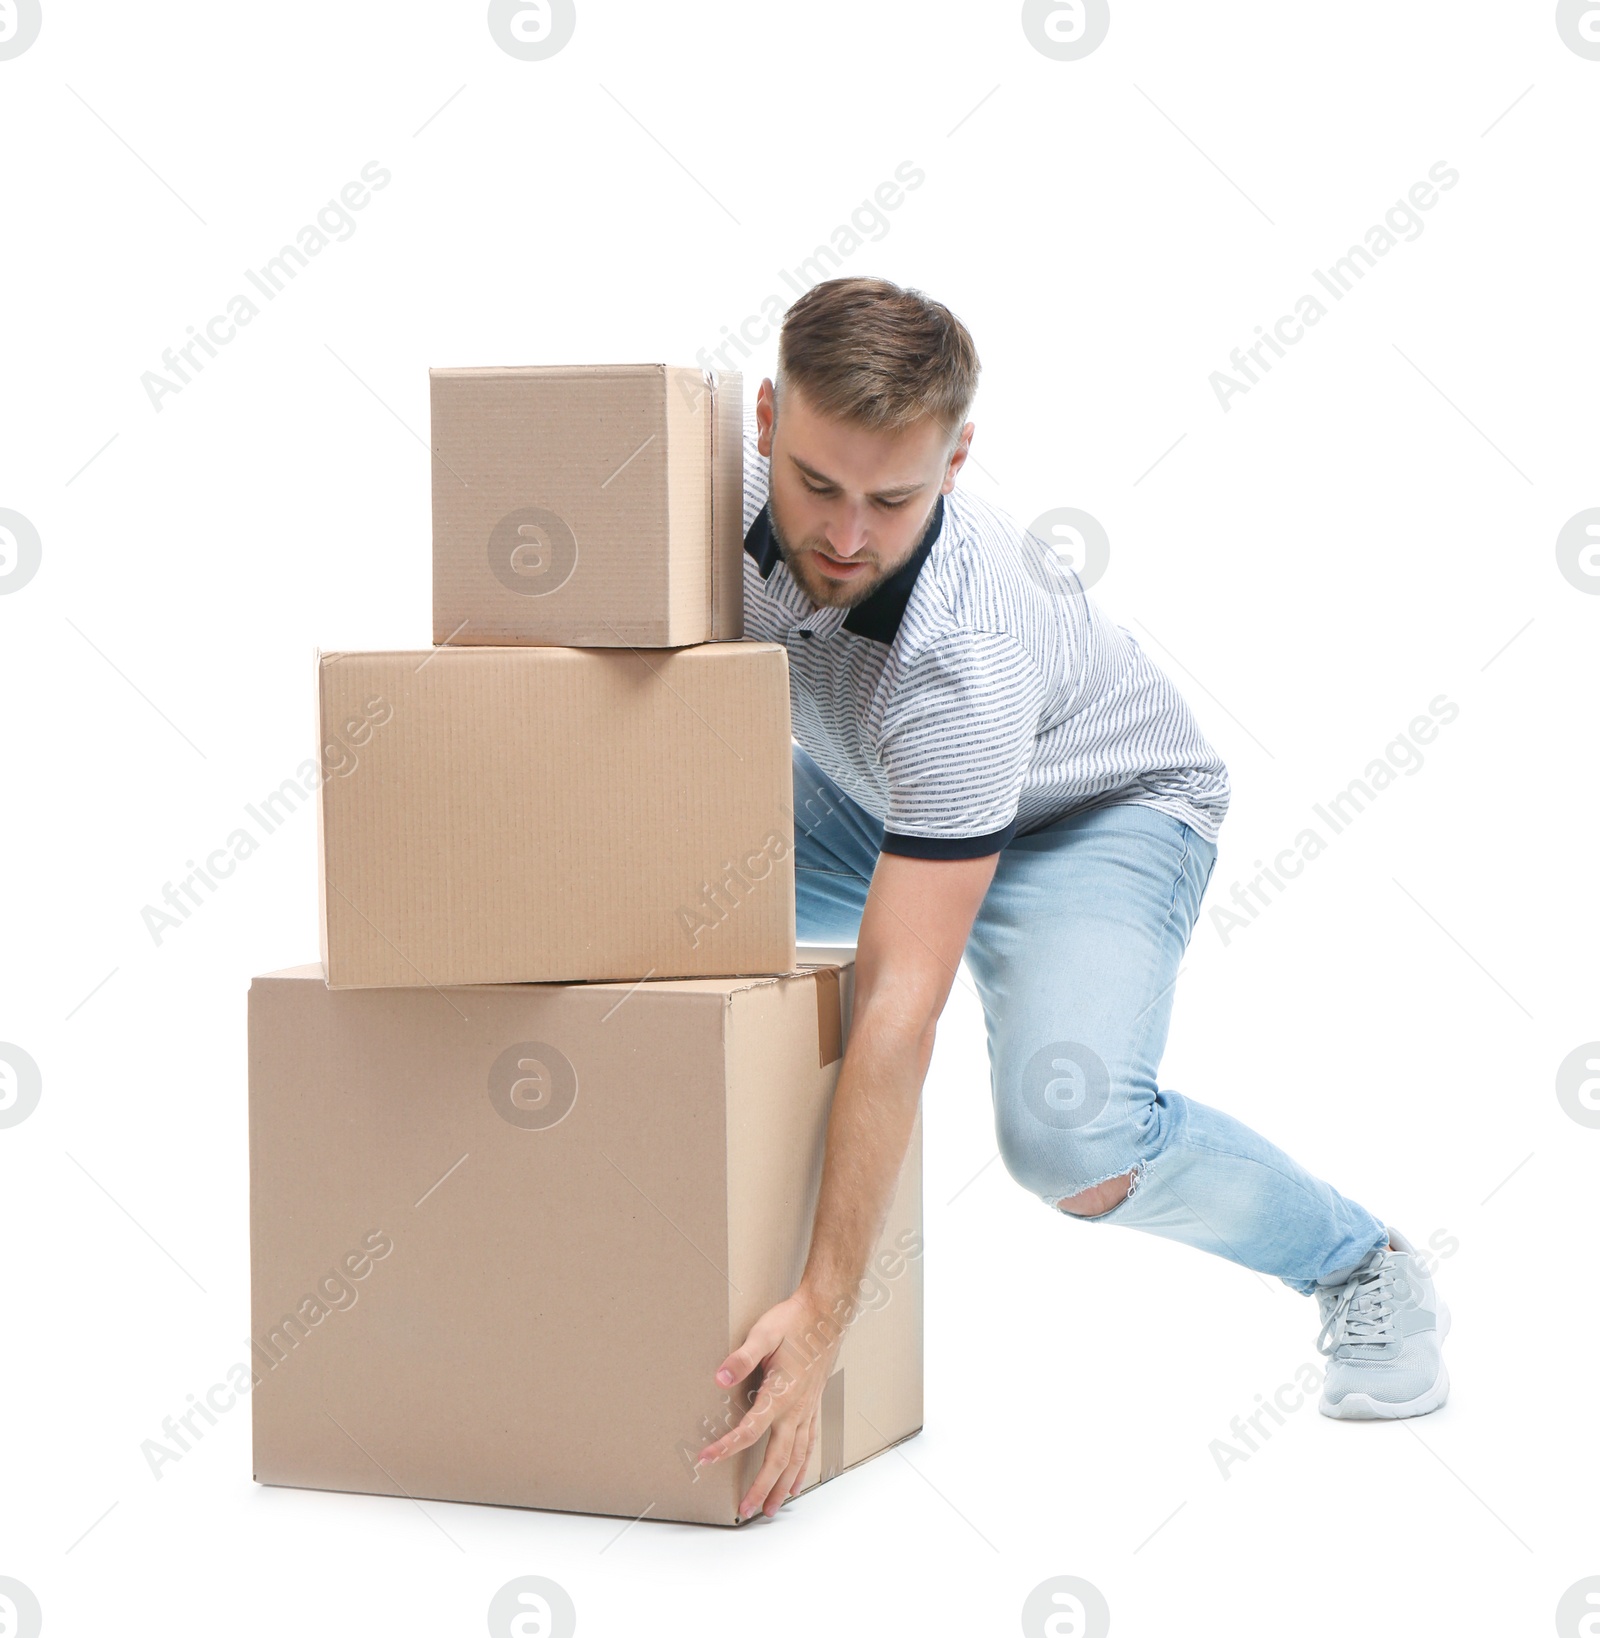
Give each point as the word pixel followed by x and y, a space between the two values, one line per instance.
pixel 887 505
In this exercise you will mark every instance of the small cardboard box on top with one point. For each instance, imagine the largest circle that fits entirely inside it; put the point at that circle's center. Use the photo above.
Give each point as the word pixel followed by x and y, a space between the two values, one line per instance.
pixel 592 506
pixel 502 1237
pixel 538 815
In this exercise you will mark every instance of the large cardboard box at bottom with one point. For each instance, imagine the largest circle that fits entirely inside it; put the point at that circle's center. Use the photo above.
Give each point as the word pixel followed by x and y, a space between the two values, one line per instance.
pixel 501 1237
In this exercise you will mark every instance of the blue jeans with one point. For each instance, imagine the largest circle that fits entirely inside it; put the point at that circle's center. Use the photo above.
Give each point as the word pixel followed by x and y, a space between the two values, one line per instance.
pixel 1075 952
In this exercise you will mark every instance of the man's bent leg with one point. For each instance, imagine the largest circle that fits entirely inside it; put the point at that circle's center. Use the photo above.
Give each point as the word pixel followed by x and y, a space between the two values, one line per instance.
pixel 1075 953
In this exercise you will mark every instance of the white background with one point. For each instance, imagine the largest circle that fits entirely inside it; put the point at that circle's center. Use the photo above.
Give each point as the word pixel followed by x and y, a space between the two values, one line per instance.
pixel 1372 525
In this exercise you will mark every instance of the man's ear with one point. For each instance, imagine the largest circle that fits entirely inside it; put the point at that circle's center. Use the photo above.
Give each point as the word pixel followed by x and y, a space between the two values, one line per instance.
pixel 766 416
pixel 958 457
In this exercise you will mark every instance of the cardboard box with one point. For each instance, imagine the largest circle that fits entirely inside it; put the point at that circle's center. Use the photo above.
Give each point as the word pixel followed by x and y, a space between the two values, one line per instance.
pixel 502 1237
pixel 597 506
pixel 509 815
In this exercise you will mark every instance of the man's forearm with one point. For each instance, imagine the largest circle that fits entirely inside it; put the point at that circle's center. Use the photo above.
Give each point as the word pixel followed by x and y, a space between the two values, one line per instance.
pixel 869 1130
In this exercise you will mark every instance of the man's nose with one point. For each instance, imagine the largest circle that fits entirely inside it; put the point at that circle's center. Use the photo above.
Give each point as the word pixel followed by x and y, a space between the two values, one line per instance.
pixel 846 533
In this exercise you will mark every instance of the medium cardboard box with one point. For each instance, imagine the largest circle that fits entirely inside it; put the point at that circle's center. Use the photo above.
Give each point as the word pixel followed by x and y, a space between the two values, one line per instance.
pixel 598 506
pixel 501 1237
pixel 510 815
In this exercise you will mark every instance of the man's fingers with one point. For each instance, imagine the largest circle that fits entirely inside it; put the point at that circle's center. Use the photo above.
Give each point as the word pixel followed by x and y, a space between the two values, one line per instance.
pixel 813 1433
pixel 737 1366
pixel 787 1480
pixel 798 1457
pixel 795 1471
pixel 750 1428
pixel 766 1403
pixel 779 1448
pixel 760 1342
pixel 776 1409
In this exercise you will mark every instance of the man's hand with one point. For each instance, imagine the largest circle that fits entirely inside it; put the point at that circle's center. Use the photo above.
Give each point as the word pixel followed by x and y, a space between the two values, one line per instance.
pixel 913 931
pixel 796 1343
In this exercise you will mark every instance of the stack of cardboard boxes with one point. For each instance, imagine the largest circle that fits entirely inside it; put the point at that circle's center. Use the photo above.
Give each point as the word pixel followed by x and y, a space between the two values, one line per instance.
pixel 541 1136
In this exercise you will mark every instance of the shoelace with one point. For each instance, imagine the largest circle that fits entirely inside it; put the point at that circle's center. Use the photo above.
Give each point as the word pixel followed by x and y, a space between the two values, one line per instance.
pixel 1364 1313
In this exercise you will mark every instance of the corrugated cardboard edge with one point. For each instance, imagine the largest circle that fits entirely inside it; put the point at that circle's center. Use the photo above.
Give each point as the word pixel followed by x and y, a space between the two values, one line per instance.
pixel 253 1196
pixel 688 405
pixel 435 517
pixel 326 659
pixel 727 507
pixel 322 785
pixel 840 1446
pixel 713 520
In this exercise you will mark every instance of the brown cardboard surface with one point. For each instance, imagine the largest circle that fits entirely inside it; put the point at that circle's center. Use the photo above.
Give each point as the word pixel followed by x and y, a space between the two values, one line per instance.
pixel 546 814
pixel 502 1236
pixel 587 505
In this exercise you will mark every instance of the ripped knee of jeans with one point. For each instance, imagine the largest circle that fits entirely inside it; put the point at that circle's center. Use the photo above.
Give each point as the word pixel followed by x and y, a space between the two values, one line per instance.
pixel 1099 1198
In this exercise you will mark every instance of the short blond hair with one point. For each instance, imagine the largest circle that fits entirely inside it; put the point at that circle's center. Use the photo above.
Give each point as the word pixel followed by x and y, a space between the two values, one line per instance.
pixel 869 352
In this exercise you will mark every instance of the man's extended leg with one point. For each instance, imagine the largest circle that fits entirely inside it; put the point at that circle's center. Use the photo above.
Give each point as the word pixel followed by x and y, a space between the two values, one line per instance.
pixel 1075 953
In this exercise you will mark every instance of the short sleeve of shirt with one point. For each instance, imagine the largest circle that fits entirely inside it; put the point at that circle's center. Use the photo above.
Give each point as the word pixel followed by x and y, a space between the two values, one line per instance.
pixel 956 743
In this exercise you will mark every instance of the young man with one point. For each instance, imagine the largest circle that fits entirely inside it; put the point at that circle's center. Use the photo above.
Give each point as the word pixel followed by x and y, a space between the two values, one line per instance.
pixel 986 766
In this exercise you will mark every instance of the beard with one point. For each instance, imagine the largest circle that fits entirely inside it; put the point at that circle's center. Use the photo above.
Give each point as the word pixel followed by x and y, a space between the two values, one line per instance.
pixel 840 594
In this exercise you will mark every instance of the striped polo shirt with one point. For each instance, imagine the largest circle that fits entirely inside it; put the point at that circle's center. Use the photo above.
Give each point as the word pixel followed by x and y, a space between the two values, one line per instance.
pixel 978 693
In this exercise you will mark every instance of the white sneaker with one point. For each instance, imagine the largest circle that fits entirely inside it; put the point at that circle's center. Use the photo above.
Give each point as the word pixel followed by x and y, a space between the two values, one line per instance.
pixel 1383 1328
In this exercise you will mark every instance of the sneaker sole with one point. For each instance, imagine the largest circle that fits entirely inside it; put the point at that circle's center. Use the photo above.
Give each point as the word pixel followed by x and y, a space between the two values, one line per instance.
pixel 1361 1407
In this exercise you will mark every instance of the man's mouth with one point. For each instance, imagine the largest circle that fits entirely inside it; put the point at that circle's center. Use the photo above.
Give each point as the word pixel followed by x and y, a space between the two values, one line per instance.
pixel 839 568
